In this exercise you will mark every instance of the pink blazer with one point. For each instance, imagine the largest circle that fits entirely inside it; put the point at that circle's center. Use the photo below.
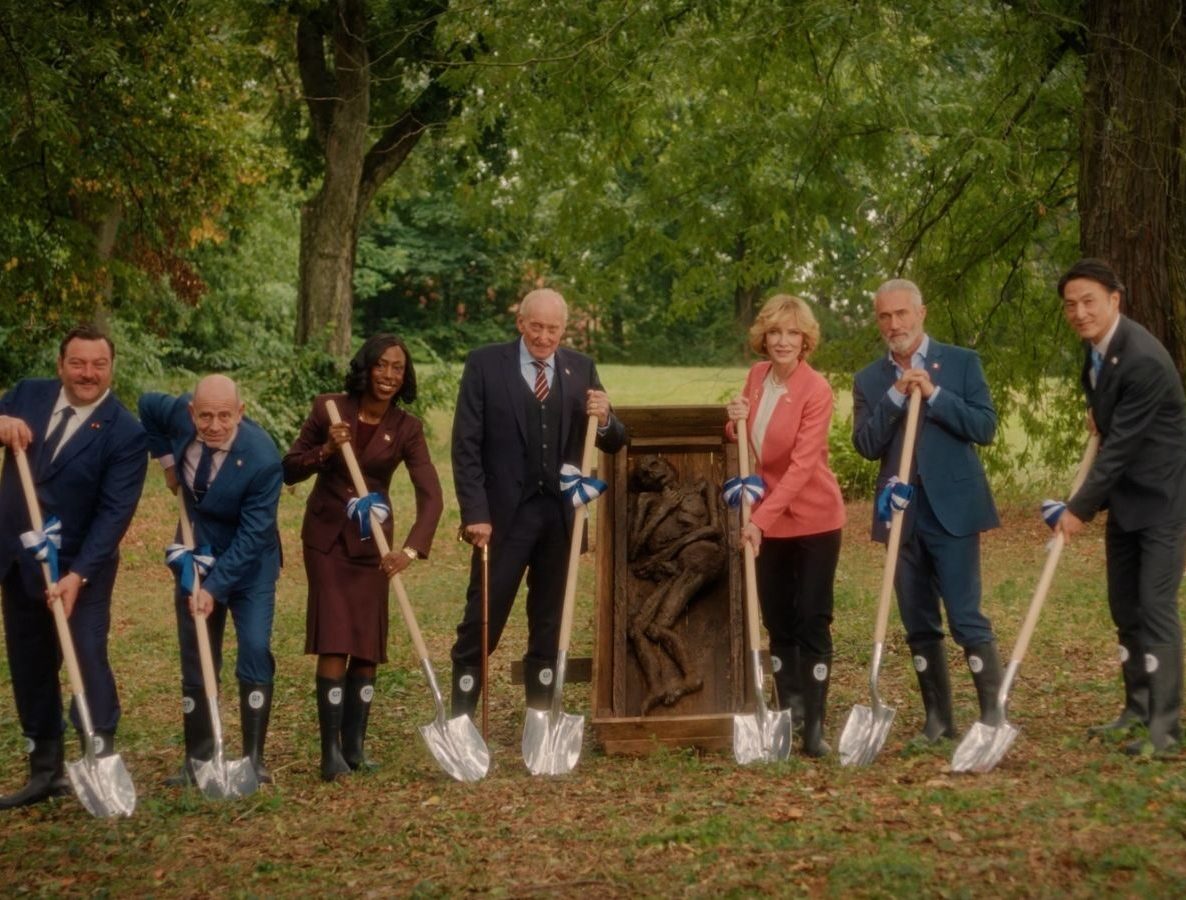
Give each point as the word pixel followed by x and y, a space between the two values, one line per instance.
pixel 802 495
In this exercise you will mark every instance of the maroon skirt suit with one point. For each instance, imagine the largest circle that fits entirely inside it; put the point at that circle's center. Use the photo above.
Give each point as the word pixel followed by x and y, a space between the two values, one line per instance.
pixel 347 609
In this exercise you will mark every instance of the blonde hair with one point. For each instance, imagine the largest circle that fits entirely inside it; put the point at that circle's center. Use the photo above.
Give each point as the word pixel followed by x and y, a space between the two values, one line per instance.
pixel 779 308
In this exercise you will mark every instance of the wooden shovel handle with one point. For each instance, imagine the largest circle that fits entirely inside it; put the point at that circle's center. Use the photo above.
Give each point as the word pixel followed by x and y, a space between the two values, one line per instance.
pixel 895 535
pixel 580 514
pixel 201 626
pixel 360 487
pixel 753 635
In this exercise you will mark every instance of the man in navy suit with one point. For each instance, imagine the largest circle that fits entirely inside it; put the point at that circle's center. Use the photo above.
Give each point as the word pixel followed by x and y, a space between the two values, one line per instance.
pixel 229 469
pixel 87 454
pixel 522 411
pixel 952 504
pixel 1134 394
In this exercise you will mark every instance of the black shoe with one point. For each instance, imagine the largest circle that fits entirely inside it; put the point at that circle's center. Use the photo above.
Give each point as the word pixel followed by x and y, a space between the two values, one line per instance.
pixel 255 709
pixel 329 715
pixel 788 685
pixel 355 713
pixel 1163 666
pixel 47 775
pixel 199 735
pixel 467 690
pixel 985 665
pixel 538 676
pixel 1136 696
pixel 815 673
pixel 930 665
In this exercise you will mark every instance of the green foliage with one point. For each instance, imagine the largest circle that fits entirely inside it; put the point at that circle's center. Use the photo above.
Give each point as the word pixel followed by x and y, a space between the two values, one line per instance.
pixel 278 391
pixel 857 476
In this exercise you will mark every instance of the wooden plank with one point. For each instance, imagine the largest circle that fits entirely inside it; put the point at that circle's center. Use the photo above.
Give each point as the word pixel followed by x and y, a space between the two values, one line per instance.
pixel 665 421
pixel 641 735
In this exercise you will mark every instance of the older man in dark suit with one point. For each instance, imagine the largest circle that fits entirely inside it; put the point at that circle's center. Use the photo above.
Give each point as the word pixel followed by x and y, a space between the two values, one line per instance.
pixel 88 459
pixel 230 471
pixel 952 504
pixel 521 414
pixel 1136 403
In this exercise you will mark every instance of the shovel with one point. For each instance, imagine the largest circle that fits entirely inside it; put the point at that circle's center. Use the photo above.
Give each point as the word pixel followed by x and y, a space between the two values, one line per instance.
pixel 764 736
pixel 217 778
pixel 986 745
pixel 868 726
pixel 102 784
pixel 552 737
pixel 454 743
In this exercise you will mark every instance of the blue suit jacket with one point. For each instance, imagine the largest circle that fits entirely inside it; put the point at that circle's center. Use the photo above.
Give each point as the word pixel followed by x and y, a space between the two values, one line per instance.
pixel 92 486
pixel 946 462
pixel 490 429
pixel 237 517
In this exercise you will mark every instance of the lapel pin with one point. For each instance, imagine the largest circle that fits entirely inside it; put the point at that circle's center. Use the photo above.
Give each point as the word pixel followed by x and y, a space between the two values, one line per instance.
pixel 935 366
pixel 1114 360
pixel 95 426
pixel 387 437
pixel 567 371
pixel 239 463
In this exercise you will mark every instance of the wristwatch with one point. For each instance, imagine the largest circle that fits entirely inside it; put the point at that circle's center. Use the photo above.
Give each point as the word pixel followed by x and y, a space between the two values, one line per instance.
pixel 410 553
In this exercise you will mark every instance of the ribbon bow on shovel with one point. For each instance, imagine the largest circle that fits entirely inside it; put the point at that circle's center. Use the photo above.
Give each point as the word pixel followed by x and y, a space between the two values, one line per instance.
pixel 102 783
pixel 454 743
pixel 985 745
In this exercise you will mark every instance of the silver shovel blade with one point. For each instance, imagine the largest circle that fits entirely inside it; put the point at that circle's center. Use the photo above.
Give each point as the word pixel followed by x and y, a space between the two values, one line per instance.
pixel 221 780
pixel 552 744
pixel 864 734
pixel 983 747
pixel 457 747
pixel 103 785
pixel 762 738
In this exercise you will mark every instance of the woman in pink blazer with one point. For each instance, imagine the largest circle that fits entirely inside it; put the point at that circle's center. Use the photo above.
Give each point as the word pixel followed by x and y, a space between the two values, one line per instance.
pixel 795 528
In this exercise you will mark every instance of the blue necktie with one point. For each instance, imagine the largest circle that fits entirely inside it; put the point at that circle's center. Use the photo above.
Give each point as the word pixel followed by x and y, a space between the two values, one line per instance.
pixel 55 437
pixel 1097 365
pixel 202 472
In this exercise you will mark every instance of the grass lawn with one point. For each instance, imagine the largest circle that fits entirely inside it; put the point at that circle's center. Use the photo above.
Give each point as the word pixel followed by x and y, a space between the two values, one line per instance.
pixel 1060 816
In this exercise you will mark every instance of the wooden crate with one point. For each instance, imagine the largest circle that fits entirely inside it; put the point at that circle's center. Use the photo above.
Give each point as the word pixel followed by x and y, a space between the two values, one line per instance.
pixel 712 627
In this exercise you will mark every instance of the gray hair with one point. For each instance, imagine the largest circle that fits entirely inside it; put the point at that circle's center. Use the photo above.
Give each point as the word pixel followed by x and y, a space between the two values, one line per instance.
pixel 900 284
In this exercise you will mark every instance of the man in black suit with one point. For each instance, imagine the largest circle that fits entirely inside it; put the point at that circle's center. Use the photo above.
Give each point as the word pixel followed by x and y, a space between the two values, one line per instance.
pixel 1137 405
pixel 88 456
pixel 521 414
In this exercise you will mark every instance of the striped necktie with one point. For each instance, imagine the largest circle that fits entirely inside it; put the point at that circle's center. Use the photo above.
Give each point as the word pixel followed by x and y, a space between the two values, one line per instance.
pixel 541 380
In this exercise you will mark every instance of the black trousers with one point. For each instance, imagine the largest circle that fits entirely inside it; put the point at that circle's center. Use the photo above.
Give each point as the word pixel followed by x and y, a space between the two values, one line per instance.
pixel 796 577
pixel 536 543
pixel 1144 574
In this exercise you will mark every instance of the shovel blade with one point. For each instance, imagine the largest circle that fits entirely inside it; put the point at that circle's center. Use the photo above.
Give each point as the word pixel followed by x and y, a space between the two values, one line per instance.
pixel 762 738
pixel 983 747
pixel 103 785
pixel 552 744
pixel 222 780
pixel 864 734
pixel 457 747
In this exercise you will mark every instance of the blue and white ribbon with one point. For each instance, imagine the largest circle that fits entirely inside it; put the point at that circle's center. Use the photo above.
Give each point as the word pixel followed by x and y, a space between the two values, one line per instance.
pixel 182 561
pixel 360 509
pixel 751 487
pixel 1052 511
pixel 894 497
pixel 578 489
pixel 45 544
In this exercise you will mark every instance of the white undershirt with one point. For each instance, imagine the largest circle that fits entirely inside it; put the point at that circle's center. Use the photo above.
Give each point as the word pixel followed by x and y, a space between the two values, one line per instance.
pixel 772 392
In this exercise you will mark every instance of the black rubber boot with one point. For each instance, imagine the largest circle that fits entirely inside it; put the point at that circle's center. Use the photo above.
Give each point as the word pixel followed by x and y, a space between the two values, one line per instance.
pixel 47 775
pixel 199 735
pixel 255 709
pixel 467 690
pixel 815 675
pixel 788 684
pixel 985 664
pixel 1163 667
pixel 360 691
pixel 930 664
pixel 329 715
pixel 537 682
pixel 1136 695
pixel 104 743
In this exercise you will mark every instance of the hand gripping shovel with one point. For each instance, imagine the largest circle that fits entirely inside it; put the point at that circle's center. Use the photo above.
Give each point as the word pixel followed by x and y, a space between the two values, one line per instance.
pixel 455 743
pixel 102 784
pixel 764 736
pixel 868 726
pixel 217 778
pixel 552 737
pixel 985 745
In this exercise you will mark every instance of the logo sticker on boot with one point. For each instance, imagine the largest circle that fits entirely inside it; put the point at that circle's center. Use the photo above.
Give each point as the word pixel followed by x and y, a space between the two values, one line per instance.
pixel 256 699
pixel 99 745
pixel 334 696
pixel 367 694
pixel 545 677
pixel 466 683
pixel 188 705
pixel 775 663
pixel 820 672
pixel 976 664
pixel 1123 654
pixel 1151 663
pixel 920 663
pixel 30 745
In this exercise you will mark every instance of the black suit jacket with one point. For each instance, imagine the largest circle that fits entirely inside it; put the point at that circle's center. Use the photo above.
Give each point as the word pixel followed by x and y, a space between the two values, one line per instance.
pixel 1139 475
pixel 490 429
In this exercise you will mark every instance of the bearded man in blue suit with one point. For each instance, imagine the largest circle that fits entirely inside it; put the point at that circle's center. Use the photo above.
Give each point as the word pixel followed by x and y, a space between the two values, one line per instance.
pixel 952 504
pixel 87 456
pixel 229 469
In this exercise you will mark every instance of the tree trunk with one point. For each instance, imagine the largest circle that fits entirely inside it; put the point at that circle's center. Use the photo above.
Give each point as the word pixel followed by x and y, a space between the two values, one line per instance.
pixel 1132 191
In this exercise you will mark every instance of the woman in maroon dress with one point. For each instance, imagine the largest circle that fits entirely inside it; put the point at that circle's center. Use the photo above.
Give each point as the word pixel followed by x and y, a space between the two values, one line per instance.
pixel 348 582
